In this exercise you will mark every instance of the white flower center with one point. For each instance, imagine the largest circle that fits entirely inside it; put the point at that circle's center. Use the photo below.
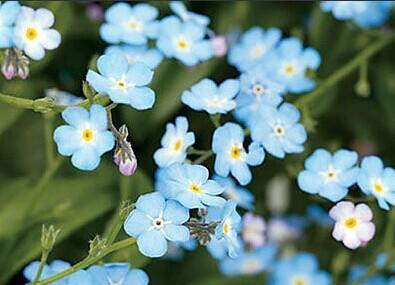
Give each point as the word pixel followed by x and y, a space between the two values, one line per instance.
pixel 378 187
pixel 158 223
pixel 257 51
pixel 330 175
pixel 134 25
pixel 289 69
pixel 182 44
pixel 251 266
pixel 258 89
pixel 279 130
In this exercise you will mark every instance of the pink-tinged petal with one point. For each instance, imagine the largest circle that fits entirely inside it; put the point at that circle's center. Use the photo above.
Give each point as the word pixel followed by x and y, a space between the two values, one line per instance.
pixel 341 210
pixel 352 241
pixel 338 232
pixel 363 212
pixel 366 231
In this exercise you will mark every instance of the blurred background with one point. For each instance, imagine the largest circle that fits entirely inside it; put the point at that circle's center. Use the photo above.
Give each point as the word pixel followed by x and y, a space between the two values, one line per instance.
pixel 81 203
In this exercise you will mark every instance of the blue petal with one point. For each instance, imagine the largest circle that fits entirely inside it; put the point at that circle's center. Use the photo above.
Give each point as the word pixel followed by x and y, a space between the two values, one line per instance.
pixel 176 232
pixel 67 140
pixel 152 204
pixel 86 158
pixel 372 165
pixel 113 65
pixel 333 192
pixel 98 82
pixel 310 182
pixel 290 47
pixel 212 187
pixel 229 88
pixel 311 58
pixel 145 12
pixel 139 74
pixel 80 277
pixel 318 161
pixel 141 98
pixel 242 173
pixel 256 154
pixel 110 33
pixel 152 243
pixel 76 116
pixel 222 165
pixel 175 212
pixel 98 117
pixel 137 277
pixel 137 223
pixel 344 159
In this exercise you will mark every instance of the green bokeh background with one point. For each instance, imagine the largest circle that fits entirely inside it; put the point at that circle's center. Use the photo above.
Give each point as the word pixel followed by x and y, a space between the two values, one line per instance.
pixel 81 203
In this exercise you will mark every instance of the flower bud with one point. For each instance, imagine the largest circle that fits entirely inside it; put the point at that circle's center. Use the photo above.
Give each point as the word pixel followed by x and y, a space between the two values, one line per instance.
pixel 15 63
pixel 219 45
pixel 48 237
pixel 124 155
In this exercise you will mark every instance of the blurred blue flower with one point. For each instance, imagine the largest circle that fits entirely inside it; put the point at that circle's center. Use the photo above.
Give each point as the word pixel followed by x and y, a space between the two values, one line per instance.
pixel 289 62
pixel 140 53
pixel 155 220
pixel 249 262
pixel 279 130
pixel 129 24
pixel 240 195
pixel 8 13
pixel 86 137
pixel 175 143
pixel 253 46
pixel 316 214
pixel 178 8
pixel 256 88
pixel 33 33
pixel 302 268
pixel 360 270
pixel 366 14
pixel 183 41
pixel 189 185
pixel 377 180
pixel 207 96
pixel 117 273
pixel 329 175
pixel 123 83
pixel 230 154
pixel 63 98
pixel 57 266
pixel 286 228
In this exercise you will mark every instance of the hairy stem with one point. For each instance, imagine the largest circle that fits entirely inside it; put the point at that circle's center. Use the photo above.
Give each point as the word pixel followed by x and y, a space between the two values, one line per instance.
pixel 43 261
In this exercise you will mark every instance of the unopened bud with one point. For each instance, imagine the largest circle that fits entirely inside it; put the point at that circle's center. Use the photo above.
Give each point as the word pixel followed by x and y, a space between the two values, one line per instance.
pixel 219 45
pixel 97 245
pixel 48 237
pixel 15 63
pixel 124 155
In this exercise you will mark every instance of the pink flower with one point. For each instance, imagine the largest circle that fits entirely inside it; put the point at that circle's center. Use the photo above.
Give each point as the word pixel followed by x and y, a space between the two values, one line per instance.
pixel 127 167
pixel 219 45
pixel 353 224
pixel 254 228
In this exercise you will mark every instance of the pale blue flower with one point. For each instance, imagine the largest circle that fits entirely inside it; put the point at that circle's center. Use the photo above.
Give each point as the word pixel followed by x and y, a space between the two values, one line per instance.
pixel 207 96
pixel 289 62
pixel 377 180
pixel 86 137
pixel 63 98
pixel 189 185
pixel 317 215
pixel 140 53
pixel 253 46
pixel 175 143
pixel 123 83
pixel 183 41
pixel 117 273
pixel 360 270
pixel 279 130
pixel 154 221
pixel 33 33
pixel 129 24
pixel 231 156
pixel 178 7
pixel 240 195
pixel 249 262
pixel 302 268
pixel 329 175
pixel 8 13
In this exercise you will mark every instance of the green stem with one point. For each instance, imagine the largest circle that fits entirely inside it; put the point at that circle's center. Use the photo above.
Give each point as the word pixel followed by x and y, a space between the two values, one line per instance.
pixel 204 157
pixel 348 68
pixel 43 261
pixel 48 130
pixel 89 260
pixel 216 119
pixel 193 151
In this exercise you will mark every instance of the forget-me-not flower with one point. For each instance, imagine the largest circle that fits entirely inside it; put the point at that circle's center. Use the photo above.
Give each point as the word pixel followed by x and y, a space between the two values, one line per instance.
pixel 154 221
pixel 207 96
pixel 86 137
pixel 231 156
pixel 279 130
pixel 138 53
pixel 329 175
pixel 289 62
pixel 377 180
pixel 8 13
pixel 254 230
pixel 123 83
pixel 63 98
pixel 240 195
pixel 253 47
pixel 117 274
pixel 129 24
pixel 183 41
pixel 358 271
pixel 189 185
pixel 175 143
pixel 301 269
pixel 178 8
pixel 33 33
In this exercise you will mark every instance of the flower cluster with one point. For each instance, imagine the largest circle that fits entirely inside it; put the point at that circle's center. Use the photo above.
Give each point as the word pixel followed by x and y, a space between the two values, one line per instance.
pixel 25 31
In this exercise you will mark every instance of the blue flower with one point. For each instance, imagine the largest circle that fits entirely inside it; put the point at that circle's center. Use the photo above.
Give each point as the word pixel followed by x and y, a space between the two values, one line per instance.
pixel 8 13
pixel 377 180
pixel 230 154
pixel 240 195
pixel 175 143
pixel 141 53
pixel 33 33
pixel 302 268
pixel 189 185
pixel 80 277
pixel 289 62
pixel 316 214
pixel 117 273
pixel 249 262
pixel 183 41
pixel 207 96
pixel 63 98
pixel 256 89
pixel 279 130
pixel 124 83
pixel 155 220
pixel 253 47
pixel 366 14
pixel 129 24
pixel 329 175
pixel 86 137
pixel 181 11
pixel 360 270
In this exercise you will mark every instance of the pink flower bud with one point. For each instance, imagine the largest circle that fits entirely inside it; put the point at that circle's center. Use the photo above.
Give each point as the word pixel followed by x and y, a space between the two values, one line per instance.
pixel 219 45
pixel 128 167
pixel 254 228
pixel 8 71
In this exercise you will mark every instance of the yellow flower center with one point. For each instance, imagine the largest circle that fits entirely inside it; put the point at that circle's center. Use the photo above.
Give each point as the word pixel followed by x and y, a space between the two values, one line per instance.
pixel 134 25
pixel 235 152
pixel 378 187
pixel 226 227
pixel 257 51
pixel 289 69
pixel 299 282
pixel 350 222
pixel 87 135
pixel 195 188
pixel 182 45
pixel 121 84
pixel 177 145
pixel 31 34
